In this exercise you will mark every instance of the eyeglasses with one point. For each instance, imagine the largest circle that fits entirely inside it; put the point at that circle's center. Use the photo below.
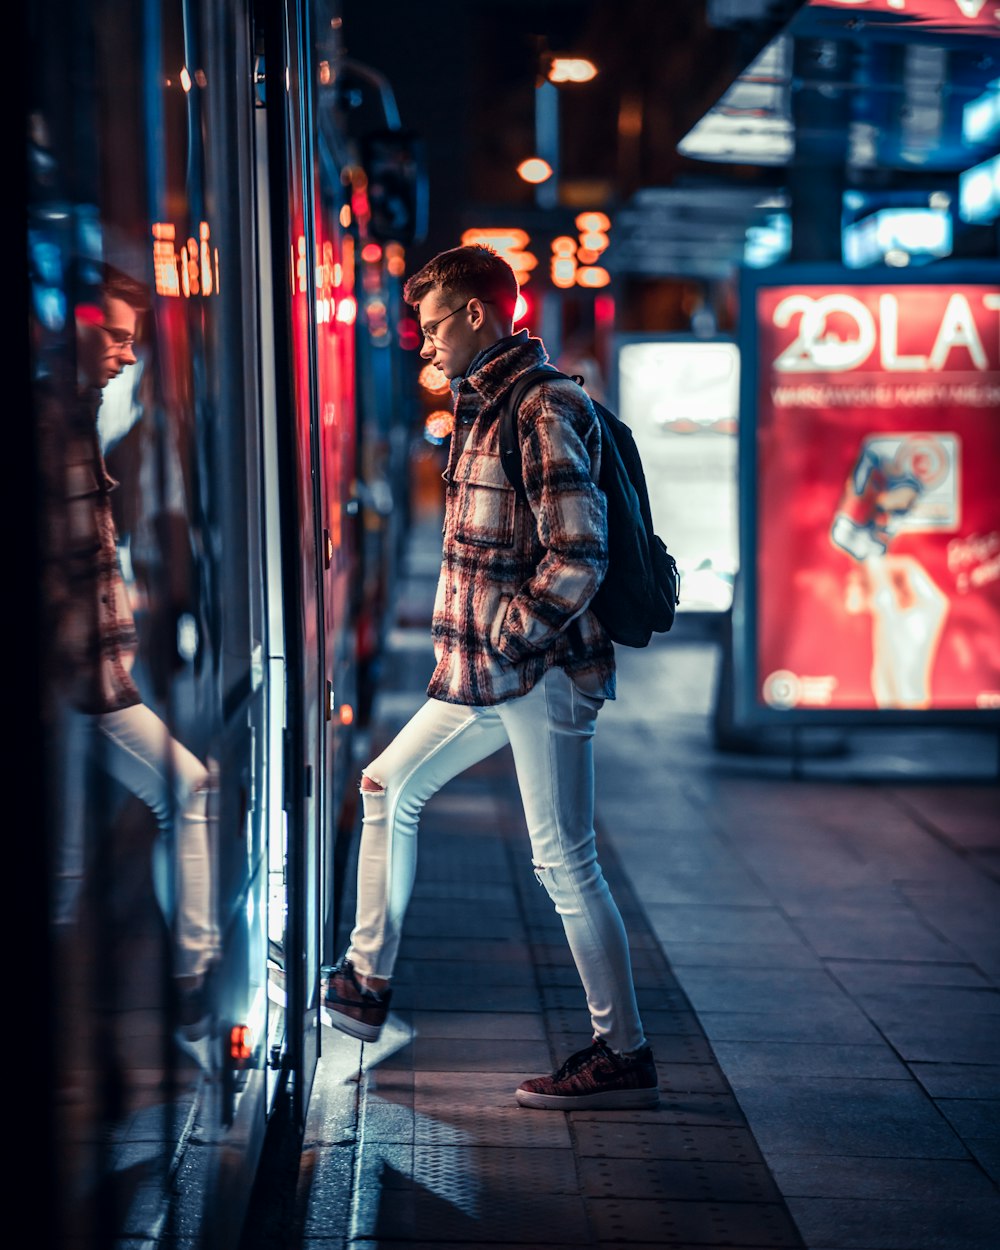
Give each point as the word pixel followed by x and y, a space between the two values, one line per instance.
pixel 430 331
pixel 120 338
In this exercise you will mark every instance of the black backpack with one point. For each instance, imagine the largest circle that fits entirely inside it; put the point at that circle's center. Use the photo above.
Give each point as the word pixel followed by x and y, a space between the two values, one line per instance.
pixel 641 589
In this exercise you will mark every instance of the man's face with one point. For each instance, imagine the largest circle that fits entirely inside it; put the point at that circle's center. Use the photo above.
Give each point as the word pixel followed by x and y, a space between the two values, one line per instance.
pixel 105 349
pixel 450 341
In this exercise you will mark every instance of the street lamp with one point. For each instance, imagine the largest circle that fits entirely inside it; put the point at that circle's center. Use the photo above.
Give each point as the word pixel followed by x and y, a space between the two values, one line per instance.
pixel 535 170
pixel 571 69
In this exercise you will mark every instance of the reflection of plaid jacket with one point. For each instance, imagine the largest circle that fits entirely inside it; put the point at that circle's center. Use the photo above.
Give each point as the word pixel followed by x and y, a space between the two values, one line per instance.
pixel 516 579
pixel 91 633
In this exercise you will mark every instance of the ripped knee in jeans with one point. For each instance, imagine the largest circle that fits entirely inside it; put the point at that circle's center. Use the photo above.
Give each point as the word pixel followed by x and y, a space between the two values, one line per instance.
pixel 544 874
pixel 369 785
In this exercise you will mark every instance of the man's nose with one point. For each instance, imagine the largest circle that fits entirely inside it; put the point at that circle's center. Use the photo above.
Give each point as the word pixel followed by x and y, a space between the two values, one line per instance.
pixel 127 354
pixel 427 351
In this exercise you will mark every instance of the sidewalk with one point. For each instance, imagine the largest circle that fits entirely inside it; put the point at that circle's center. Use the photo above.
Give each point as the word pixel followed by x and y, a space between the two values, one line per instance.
pixel 839 942
pixel 813 960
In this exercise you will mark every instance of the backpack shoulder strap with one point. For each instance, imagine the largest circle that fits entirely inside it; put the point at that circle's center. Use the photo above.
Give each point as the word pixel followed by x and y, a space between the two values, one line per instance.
pixel 510 445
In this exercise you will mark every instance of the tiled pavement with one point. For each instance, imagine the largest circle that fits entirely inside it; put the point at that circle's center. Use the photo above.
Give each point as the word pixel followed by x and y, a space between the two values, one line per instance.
pixel 835 941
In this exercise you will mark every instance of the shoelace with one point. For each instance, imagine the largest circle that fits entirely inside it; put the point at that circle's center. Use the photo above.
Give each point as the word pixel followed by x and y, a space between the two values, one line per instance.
pixel 582 1057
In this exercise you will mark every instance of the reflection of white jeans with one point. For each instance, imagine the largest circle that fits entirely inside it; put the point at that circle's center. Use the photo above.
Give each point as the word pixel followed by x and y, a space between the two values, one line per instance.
pixel 137 750
pixel 550 731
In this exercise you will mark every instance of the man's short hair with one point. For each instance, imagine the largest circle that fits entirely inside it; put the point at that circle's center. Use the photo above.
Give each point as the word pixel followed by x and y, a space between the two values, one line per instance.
pixel 467 272
pixel 116 284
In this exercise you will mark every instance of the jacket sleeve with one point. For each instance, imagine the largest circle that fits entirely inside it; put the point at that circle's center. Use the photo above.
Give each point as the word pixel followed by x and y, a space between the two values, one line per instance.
pixel 560 449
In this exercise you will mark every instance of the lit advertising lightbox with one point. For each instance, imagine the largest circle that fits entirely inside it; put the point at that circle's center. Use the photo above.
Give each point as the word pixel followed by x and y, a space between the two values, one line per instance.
pixel 680 398
pixel 870 500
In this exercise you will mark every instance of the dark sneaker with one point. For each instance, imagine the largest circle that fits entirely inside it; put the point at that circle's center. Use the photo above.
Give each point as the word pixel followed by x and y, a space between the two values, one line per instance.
pixel 352 1007
pixel 195 1024
pixel 596 1077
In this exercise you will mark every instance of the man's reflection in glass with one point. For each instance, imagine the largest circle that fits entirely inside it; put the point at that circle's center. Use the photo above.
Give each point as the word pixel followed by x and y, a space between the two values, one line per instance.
pixel 95 645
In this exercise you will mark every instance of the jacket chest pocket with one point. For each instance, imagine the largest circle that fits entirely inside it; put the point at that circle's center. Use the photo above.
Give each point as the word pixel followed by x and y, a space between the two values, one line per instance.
pixel 484 503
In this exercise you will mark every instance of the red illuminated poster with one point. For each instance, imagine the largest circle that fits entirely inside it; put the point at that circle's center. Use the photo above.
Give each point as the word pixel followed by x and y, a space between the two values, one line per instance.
pixel 941 16
pixel 878 497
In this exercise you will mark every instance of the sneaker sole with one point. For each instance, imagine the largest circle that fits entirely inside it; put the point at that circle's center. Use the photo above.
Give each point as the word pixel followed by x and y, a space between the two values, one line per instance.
pixel 200 1049
pixel 346 1024
pixel 609 1100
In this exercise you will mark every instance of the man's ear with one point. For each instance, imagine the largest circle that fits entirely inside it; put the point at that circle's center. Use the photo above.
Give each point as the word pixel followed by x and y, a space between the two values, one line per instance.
pixel 478 311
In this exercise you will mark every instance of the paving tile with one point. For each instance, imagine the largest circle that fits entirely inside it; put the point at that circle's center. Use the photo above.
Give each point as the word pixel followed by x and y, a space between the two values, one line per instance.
pixel 967 815
pixel 471 886
pixel 480 1107
pixel 685 1180
pixel 709 923
pixel 495 1169
pixel 684 881
pixel 808 1059
pixel 385 1164
pixel 972 1040
pixel 622 1140
pixel 756 989
pixel 686 1224
pixel 861 976
pixel 462 972
pixel 667 1047
pixel 742 955
pixel 808 890
pixel 822 1115
pixel 330 1172
pixel 445 1054
pixel 565 976
pixel 718 1110
pixel 469 1025
pixel 466 1213
pixel 934 1223
pixel 691 1078
pixel 958 1080
pixel 146 1206
pixel 386 1121
pixel 972 1117
pixel 987 862
pixel 819 1018
pixel 438 995
pixel 504 910
pixel 649 998
pixel 874 934
pixel 658 1024
pixel 916 1003
pixel 829 1176
pixel 986 1152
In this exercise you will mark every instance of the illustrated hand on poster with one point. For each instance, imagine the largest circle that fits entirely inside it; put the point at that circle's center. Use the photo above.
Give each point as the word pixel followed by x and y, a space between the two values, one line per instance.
pixel 896 481
pixel 908 612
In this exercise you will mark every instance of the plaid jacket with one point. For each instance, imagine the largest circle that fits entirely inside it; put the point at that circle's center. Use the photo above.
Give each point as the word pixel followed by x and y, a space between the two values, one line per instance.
pixel 91 638
pixel 517 576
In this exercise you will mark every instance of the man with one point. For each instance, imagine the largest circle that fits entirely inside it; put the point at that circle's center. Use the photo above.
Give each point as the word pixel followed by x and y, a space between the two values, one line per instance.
pixel 92 645
pixel 520 660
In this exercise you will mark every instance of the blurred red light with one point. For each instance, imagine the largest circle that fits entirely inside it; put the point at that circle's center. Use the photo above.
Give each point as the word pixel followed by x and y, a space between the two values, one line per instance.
pixel 240 1043
pixel 410 337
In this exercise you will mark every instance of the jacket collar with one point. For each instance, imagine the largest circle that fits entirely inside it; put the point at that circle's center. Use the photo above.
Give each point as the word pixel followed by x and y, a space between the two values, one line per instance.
pixel 493 371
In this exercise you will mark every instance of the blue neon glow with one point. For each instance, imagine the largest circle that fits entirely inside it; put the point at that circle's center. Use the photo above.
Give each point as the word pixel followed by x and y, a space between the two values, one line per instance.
pixel 920 233
pixel 979 192
pixel 981 116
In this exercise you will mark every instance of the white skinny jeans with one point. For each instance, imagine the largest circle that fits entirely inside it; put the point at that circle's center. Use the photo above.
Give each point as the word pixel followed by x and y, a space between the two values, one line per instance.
pixel 550 731
pixel 138 751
